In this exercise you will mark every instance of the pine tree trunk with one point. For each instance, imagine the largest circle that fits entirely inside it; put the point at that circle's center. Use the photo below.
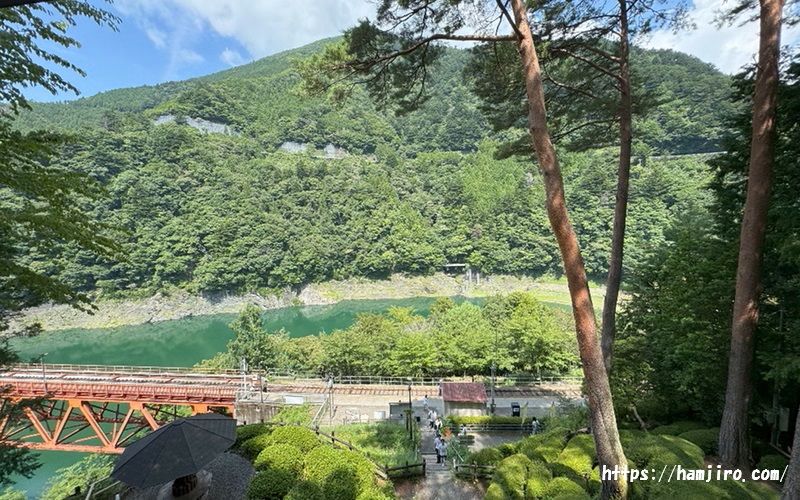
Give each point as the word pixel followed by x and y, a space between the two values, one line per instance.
pixel 791 484
pixel 621 206
pixel 734 445
pixel 601 408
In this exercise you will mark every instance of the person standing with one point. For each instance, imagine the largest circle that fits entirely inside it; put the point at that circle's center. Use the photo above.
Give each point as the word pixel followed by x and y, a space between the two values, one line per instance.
pixel 437 443
pixel 443 451
pixel 534 426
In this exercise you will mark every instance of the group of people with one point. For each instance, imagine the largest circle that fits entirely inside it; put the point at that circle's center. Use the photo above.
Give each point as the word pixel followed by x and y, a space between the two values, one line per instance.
pixel 440 445
pixel 435 423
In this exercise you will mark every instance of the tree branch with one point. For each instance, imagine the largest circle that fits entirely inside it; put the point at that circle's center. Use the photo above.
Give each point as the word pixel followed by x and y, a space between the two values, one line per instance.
pixel 505 12
pixel 367 64
pixel 582 125
pixel 588 62
pixel 571 88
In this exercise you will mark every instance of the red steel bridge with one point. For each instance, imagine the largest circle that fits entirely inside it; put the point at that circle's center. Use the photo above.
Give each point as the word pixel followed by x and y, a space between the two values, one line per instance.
pixel 96 408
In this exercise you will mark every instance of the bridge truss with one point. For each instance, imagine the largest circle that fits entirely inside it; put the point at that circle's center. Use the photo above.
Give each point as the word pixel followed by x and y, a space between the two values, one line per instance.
pixel 102 412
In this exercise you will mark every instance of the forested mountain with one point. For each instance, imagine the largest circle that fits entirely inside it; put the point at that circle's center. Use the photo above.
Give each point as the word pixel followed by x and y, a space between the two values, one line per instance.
pixel 262 205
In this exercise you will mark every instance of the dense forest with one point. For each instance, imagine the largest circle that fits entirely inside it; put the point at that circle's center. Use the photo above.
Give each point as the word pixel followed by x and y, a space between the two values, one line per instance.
pixel 234 182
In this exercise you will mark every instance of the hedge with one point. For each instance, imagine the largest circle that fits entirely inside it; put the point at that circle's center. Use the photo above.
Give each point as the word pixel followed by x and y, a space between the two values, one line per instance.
pixel 507 449
pixel 280 456
pixel 562 488
pixel 485 419
pixel 305 490
pixel 270 484
pixel 495 492
pixel 303 439
pixel 706 439
pixel 538 477
pixel 486 456
pixel 550 449
pixel 678 428
pixel 772 462
pixel 253 446
pixel 512 474
pixel 245 432
pixel 654 452
pixel 734 490
pixel 339 473
pixel 578 455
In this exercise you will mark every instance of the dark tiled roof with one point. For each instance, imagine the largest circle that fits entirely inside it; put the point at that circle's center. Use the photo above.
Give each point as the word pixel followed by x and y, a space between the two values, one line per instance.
pixel 464 392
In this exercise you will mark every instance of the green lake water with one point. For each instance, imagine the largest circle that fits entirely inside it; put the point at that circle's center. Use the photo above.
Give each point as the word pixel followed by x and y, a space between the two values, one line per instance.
pixel 177 343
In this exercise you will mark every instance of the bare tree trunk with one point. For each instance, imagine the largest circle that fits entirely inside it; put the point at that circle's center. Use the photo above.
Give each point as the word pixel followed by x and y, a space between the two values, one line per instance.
pixel 734 446
pixel 791 485
pixel 604 423
pixel 621 206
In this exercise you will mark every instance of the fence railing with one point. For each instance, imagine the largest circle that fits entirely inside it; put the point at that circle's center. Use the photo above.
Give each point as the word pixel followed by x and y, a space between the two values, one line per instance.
pixel 500 382
pixel 382 471
pixel 321 412
pixel 294 377
pixel 66 367
pixel 475 471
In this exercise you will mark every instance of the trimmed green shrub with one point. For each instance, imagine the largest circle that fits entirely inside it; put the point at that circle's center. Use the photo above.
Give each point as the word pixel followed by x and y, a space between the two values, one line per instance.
pixel 690 490
pixel 550 449
pixel 706 439
pixel 511 475
pixel 374 494
pixel 679 427
pixel 270 484
pixel 750 490
pixel 339 473
pixel 305 490
pixel 253 446
pixel 486 419
pixel 486 456
pixel 495 492
pixel 245 432
pixel 507 449
pixel 538 477
pixel 595 484
pixel 654 452
pixel 341 484
pixel 280 456
pixel 529 445
pixel 303 439
pixel 562 488
pixel 772 462
pixel 578 455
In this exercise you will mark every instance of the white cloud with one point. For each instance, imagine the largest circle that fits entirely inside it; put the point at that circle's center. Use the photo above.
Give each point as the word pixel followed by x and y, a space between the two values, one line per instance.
pixel 158 37
pixel 262 27
pixel 232 57
pixel 269 26
pixel 728 48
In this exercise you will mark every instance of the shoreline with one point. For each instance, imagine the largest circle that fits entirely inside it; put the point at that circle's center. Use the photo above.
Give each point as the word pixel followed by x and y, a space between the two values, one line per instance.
pixel 179 304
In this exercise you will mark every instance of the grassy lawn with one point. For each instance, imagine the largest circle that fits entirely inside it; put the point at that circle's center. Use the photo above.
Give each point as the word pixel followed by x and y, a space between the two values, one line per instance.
pixel 386 443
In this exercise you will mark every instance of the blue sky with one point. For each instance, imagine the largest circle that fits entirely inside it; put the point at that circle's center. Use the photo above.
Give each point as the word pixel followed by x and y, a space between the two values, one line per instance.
pixel 164 40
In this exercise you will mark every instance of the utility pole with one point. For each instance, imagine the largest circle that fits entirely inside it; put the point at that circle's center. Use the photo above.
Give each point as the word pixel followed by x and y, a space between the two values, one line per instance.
pixel 44 371
pixel 410 415
pixel 330 400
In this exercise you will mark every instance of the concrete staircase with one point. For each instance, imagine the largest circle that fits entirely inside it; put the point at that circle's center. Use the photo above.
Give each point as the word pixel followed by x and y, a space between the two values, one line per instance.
pixel 431 467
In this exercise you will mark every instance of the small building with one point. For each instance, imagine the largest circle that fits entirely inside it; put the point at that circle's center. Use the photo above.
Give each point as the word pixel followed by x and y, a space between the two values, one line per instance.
pixel 464 399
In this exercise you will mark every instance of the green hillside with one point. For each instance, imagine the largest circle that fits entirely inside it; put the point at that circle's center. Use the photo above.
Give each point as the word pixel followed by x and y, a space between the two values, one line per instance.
pixel 237 211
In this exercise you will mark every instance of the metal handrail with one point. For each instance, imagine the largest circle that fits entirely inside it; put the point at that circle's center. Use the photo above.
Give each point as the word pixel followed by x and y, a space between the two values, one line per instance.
pixel 501 381
pixel 68 367
pixel 321 411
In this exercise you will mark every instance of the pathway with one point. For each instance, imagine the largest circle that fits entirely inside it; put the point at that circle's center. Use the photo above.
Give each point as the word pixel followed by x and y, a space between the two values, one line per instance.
pixel 439 483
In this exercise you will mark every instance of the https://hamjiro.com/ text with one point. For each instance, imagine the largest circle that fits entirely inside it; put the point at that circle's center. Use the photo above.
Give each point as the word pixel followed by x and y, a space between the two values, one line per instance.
pixel 680 473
